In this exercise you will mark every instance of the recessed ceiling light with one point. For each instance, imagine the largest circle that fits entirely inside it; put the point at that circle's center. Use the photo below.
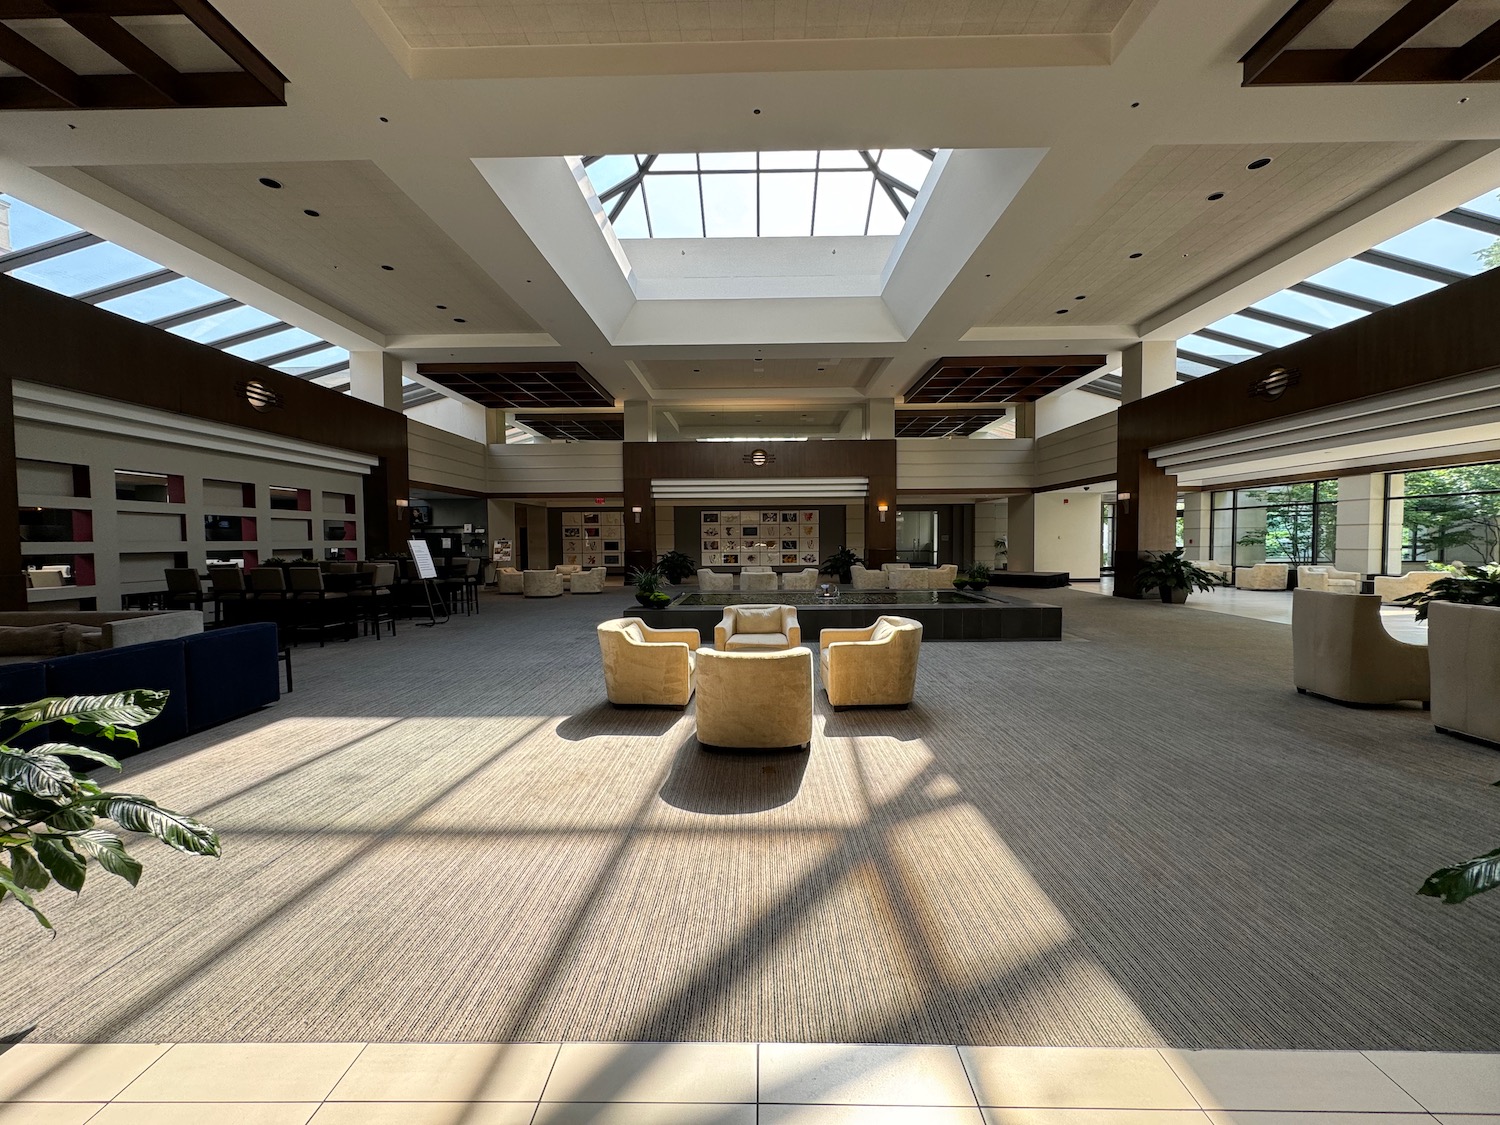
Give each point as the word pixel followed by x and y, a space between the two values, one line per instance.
pixel 1137 254
pixel 440 306
pixel 756 111
pixel 1135 105
pixel 1461 101
pixel 1081 297
pixel 389 269
pixel 1062 312
pixel 697 370
pixel 385 120
pixel 459 320
pixel 1216 196
pixel 266 181
pixel 310 213
pixel 1256 165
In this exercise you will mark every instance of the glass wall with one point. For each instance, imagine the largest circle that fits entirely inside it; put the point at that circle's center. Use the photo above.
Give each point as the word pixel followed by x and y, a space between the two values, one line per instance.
pixel 917 536
pixel 1443 516
pixel 1285 523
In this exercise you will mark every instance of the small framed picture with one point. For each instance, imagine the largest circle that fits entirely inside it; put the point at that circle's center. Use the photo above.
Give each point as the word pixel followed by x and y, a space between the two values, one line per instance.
pixel 789 545
pixel 789 517
pixel 572 533
pixel 810 557
pixel 710 544
pixel 711 558
pixel 611 544
pixel 572 519
pixel 789 556
pixel 731 558
pixel 770 517
pixel 750 558
pixel 750 531
pixel 591 533
pixel 590 517
pixel 809 517
pixel 710 517
pixel 611 560
pixel 809 530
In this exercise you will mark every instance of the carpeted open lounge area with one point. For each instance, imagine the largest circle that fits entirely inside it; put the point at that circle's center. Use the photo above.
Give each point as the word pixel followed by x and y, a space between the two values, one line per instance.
pixel 1140 836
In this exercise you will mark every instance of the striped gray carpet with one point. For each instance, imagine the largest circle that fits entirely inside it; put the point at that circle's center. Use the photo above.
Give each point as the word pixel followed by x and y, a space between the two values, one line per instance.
pixel 1139 835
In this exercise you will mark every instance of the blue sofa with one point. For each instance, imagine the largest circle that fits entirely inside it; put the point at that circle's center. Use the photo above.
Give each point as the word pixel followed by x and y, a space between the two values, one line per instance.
pixel 212 677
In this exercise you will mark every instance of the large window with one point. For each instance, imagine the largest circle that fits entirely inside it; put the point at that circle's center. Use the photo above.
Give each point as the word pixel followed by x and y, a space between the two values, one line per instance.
pixel 1287 523
pixel 1443 516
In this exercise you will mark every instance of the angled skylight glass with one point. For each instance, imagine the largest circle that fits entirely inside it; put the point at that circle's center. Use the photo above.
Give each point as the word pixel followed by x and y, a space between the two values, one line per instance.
pixel 53 254
pixel 759 194
pixel 1455 245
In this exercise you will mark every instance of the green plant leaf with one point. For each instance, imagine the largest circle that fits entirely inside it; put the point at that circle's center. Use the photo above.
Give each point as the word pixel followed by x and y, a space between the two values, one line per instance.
pixel 36 774
pixel 71 818
pixel 61 861
pixel 176 830
pixel 123 708
pixel 1462 880
pixel 27 870
pixel 109 850
pixel 59 748
pixel 23 896
pixel 23 807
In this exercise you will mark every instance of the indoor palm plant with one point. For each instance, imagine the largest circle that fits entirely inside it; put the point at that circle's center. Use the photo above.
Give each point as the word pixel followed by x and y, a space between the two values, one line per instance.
pixel 50 814
pixel 1478 585
pixel 1176 577
pixel 839 563
pixel 674 566
pixel 977 575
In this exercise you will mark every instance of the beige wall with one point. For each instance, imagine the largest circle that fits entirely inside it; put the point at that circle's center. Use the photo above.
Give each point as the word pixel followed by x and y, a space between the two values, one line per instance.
pixel 1083 452
pixel 1056 531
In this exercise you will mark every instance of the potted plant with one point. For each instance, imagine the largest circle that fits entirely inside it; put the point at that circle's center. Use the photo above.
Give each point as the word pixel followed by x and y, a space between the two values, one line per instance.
pixel 1466 585
pixel 978 575
pixel 839 563
pixel 50 814
pixel 647 584
pixel 1002 549
pixel 1173 575
pixel 674 566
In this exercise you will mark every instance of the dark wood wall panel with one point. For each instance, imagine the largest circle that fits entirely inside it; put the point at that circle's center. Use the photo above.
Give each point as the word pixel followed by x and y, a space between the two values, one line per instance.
pixel 1442 335
pixel 57 341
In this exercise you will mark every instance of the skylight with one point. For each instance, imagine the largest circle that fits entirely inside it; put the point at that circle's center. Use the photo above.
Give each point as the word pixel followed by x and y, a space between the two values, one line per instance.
pixel 759 194
pixel 1455 245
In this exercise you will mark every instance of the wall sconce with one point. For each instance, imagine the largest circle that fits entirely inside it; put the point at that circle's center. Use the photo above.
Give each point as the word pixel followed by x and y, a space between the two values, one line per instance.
pixel 636 511
pixel 403 503
pixel 1124 499
pixel 882 507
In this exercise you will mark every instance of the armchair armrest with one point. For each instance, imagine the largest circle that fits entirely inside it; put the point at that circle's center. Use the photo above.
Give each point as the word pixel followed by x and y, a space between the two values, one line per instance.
pixel 837 636
pixel 723 630
pixel 793 629
pixel 687 637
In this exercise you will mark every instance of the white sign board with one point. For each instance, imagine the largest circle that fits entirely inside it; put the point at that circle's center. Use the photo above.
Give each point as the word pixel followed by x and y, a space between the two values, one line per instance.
pixel 422 557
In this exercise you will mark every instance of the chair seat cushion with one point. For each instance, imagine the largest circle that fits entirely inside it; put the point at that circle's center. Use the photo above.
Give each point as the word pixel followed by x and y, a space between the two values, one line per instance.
pixel 741 642
pixel 758 620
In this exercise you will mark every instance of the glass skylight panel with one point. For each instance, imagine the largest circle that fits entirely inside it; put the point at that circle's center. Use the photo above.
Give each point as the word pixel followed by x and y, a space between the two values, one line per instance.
pixel 1200 345
pixel 1270 335
pixel 219 325
pixel 1486 204
pixel 1313 310
pixel 1375 282
pixel 163 300
pixel 1442 244
pixel 844 192
pixel 313 360
pixel 81 271
pixel 1197 370
pixel 271 345
pixel 30 227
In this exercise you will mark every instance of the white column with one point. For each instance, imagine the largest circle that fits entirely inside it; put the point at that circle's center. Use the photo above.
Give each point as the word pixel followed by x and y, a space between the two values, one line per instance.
pixel 1197 515
pixel 376 377
pixel 987 517
pixel 496 422
pixel 881 418
pixel 1359 541
pixel 640 422
pixel 1148 368
pixel 1057 531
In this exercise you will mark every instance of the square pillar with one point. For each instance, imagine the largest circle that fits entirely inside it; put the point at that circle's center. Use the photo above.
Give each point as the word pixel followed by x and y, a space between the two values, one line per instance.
pixel 640 422
pixel 880 415
pixel 376 377
pixel 1197 515
pixel 1147 369
pixel 1359 538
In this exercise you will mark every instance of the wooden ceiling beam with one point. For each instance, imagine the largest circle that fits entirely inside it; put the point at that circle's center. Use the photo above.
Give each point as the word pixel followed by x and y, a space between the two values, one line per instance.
pixel 40 67
pixel 1390 37
pixel 228 39
pixel 1274 42
pixel 130 52
pixel 1481 51
pixel 52 9
pixel 129 91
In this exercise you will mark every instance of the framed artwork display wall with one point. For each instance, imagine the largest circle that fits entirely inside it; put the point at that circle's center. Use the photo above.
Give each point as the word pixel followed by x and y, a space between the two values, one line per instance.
pixel 595 538
pixel 759 537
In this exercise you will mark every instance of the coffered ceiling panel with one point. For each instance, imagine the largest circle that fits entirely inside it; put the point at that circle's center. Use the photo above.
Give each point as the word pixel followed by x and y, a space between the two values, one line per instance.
pixel 520 386
pixel 679 374
pixel 364 223
pixel 954 380
pixel 1158 236
pixel 503 23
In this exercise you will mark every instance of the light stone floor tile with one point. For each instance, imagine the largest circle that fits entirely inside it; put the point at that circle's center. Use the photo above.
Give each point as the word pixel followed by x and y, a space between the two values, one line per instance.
pixel 643 1113
pixel 1021 1116
pixel 852 1074
pixel 1445 1081
pixel 1074 1078
pixel 868 1115
pixel 48 1113
pixel 460 1072
pixel 1289 1080
pixel 205 1113
pixel 653 1072
pixel 243 1072
pixel 1256 1117
pixel 68 1072
pixel 425 1113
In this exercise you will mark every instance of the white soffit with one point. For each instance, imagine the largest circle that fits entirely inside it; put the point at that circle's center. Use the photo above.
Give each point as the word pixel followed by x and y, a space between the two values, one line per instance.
pixel 789 290
pixel 791 488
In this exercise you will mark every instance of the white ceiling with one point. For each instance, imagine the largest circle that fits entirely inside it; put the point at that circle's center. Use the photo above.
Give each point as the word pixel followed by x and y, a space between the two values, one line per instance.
pixel 1130 124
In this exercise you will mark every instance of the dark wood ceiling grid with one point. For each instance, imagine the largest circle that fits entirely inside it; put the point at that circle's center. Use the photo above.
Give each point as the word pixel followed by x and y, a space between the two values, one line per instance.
pixel 985 379
pixel 575 427
pixel 520 386
pixel 45 82
pixel 931 424
pixel 1382 56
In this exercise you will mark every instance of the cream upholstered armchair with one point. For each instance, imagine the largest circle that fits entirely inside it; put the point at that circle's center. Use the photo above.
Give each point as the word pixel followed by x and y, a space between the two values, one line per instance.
pixel 755 700
pixel 862 579
pixel 888 567
pixel 1261 576
pixel 757 628
pixel 1388 589
pixel 805 579
pixel 874 667
pixel 646 667
pixel 1328 579
pixel 708 580
pixel 908 578
pixel 1341 651
pixel 941 577
pixel 509 579
pixel 1463 642
pixel 542 584
pixel 757 578
pixel 589 581
pixel 1220 570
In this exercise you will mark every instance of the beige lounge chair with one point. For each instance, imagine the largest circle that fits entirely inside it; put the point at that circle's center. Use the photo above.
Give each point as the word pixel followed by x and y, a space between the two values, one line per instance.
pixel 542 584
pixel 805 579
pixel 708 580
pixel 1261 576
pixel 1341 651
pixel 1463 643
pixel 646 667
pixel 757 578
pixel 909 578
pixel 757 628
pixel 1328 579
pixel 589 581
pixel 873 667
pixel 510 580
pixel 862 579
pixel 755 700
pixel 941 577
pixel 1389 589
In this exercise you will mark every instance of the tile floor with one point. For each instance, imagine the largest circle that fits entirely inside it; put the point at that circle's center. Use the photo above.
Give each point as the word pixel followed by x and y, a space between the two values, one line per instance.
pixel 734 1084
